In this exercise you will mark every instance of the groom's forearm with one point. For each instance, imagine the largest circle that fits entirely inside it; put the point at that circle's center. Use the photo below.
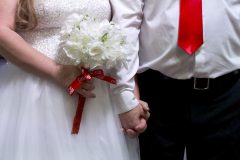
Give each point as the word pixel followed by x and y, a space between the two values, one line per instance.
pixel 128 14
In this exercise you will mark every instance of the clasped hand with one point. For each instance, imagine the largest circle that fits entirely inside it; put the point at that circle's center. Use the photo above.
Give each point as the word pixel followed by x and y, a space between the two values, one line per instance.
pixel 134 121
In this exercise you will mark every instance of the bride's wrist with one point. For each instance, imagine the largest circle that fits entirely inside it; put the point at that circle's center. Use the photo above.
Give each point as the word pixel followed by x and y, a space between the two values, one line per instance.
pixel 65 74
pixel 55 72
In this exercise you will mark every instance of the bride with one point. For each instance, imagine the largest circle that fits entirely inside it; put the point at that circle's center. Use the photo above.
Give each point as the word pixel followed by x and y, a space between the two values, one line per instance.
pixel 36 112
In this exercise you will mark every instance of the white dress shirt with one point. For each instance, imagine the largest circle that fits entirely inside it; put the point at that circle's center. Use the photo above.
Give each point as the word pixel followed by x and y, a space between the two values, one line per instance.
pixel 158 20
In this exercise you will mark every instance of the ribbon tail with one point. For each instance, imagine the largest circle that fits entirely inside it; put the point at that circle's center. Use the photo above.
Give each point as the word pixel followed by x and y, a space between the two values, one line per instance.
pixel 78 115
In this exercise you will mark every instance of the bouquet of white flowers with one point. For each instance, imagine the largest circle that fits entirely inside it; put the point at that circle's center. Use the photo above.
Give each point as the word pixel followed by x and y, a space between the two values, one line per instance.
pixel 93 44
pixel 95 47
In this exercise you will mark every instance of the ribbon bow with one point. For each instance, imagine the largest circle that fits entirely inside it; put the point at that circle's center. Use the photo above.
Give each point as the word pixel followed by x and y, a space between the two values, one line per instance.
pixel 76 84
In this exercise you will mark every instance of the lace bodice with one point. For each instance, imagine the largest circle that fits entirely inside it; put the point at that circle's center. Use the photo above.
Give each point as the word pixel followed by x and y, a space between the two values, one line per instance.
pixel 51 15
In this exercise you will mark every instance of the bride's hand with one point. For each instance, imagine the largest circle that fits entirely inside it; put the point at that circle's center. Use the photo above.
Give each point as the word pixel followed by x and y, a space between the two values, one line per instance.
pixel 66 74
pixel 134 121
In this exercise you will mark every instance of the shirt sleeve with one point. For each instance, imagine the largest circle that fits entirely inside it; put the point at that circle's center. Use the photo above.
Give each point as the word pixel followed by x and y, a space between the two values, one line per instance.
pixel 128 14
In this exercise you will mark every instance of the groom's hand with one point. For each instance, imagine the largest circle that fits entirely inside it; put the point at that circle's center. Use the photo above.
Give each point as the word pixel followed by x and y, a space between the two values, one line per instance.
pixel 134 121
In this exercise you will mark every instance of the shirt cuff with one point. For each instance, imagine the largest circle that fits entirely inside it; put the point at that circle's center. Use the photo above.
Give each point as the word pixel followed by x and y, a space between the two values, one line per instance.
pixel 126 102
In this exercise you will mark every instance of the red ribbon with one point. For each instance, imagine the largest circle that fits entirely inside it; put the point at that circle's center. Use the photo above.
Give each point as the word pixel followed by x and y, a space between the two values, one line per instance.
pixel 76 84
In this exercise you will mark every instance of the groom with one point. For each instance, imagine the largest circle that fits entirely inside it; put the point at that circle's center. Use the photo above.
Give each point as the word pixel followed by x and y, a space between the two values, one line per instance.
pixel 190 55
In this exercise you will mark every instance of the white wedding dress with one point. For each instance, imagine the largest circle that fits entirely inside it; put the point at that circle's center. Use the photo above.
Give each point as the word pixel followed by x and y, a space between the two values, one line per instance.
pixel 36 115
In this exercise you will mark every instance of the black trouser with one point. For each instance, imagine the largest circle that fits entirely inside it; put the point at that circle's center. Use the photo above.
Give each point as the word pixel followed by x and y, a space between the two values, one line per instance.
pixel 2 60
pixel 206 122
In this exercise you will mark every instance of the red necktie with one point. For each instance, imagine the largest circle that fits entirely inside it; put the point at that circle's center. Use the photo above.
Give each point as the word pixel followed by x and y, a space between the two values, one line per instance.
pixel 190 33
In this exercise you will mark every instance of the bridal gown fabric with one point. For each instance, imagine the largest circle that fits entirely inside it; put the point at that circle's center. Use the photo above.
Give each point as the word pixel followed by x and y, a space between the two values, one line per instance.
pixel 36 114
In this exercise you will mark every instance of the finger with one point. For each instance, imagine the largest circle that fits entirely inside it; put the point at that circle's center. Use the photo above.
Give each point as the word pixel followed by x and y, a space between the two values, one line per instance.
pixel 88 86
pixel 144 105
pixel 85 93
pixel 91 81
pixel 142 126
pixel 131 133
pixel 145 115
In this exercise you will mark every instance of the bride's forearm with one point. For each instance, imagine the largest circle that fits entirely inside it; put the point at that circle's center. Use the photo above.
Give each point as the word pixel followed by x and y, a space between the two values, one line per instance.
pixel 23 55
pixel 136 88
